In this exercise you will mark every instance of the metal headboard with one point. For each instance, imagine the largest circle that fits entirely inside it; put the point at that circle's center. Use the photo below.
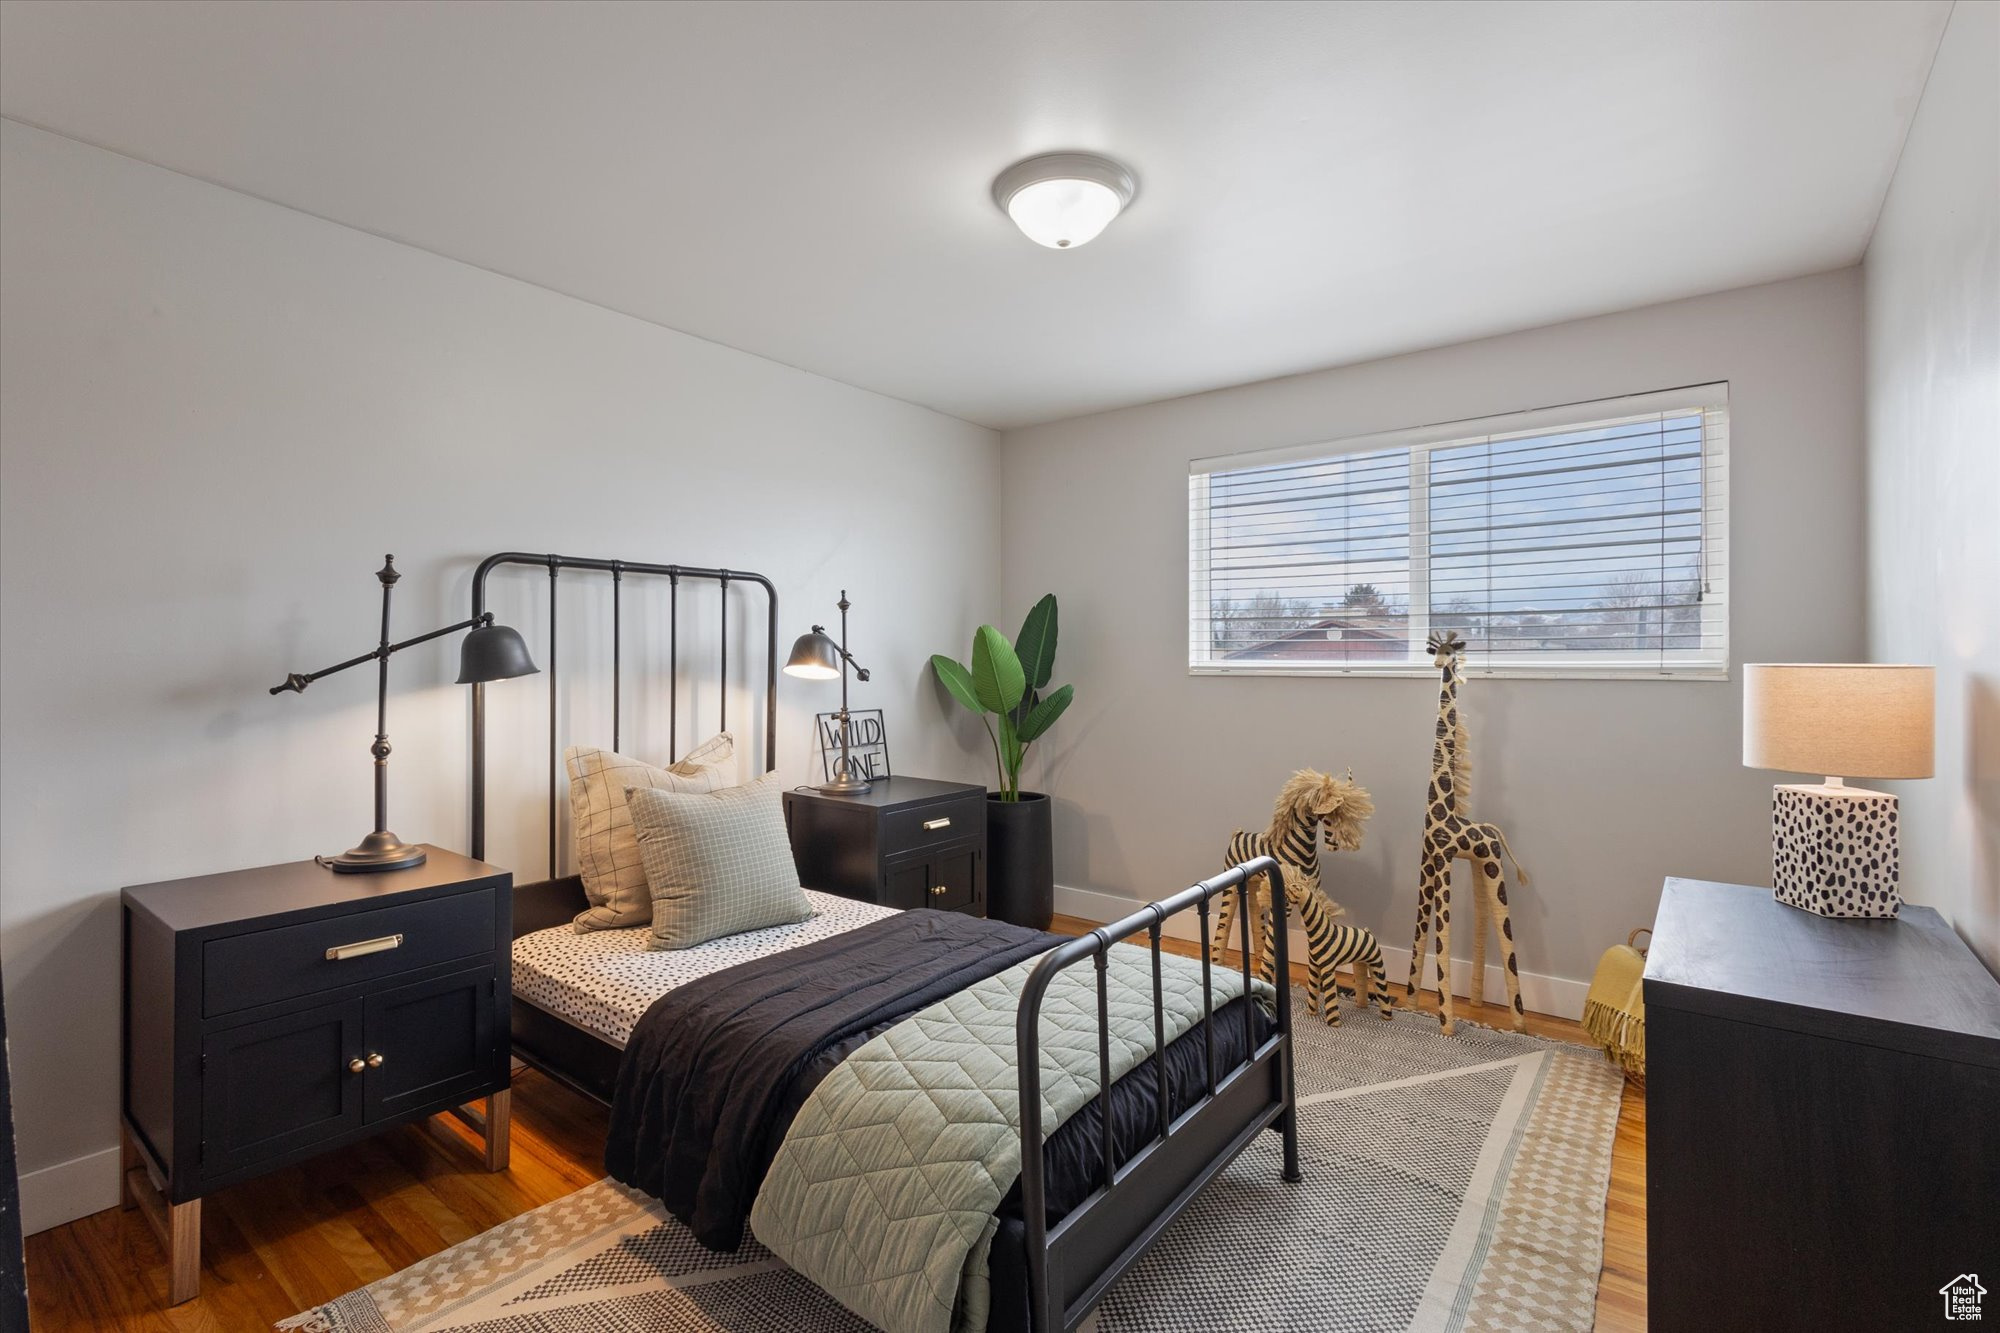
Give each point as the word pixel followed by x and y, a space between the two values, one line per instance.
pixel 618 569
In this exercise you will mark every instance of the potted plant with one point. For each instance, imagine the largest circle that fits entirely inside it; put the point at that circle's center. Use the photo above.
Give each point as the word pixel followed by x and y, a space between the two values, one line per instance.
pixel 1004 687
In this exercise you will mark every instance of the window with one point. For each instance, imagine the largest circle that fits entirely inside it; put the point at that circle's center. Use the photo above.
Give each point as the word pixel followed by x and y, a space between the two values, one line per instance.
pixel 1583 540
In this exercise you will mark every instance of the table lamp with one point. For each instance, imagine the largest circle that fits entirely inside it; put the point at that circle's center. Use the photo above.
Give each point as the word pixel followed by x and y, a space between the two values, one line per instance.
pixel 1833 847
pixel 490 652
pixel 817 657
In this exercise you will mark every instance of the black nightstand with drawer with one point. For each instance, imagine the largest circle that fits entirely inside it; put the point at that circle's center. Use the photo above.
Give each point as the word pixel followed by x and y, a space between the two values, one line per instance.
pixel 908 842
pixel 273 1014
pixel 1821 1144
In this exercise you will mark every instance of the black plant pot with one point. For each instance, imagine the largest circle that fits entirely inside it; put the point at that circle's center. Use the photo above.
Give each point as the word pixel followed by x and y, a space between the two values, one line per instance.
pixel 1020 860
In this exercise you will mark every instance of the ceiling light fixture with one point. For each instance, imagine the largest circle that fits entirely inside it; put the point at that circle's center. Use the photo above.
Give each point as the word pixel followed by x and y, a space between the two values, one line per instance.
pixel 1063 200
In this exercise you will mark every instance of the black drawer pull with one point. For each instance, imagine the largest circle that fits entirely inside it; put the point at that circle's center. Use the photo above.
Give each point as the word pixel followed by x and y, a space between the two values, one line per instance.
pixel 933 825
pixel 362 948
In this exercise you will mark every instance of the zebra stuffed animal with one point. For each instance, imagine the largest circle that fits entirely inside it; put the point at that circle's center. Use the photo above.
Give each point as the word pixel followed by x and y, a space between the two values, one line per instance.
pixel 1310 801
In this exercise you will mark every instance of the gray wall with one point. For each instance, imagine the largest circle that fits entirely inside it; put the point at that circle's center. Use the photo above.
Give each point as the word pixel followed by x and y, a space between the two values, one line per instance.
pixel 218 414
pixel 1933 302
pixel 1605 787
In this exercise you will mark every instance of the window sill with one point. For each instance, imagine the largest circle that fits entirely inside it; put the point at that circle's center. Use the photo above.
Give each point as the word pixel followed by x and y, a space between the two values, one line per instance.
pixel 1414 672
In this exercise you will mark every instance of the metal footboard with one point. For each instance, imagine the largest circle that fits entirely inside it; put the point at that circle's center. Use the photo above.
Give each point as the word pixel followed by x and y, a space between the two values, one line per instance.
pixel 1071 1265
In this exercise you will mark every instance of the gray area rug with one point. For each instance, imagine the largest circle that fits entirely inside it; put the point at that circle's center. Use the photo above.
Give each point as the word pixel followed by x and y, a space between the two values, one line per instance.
pixel 1451 1183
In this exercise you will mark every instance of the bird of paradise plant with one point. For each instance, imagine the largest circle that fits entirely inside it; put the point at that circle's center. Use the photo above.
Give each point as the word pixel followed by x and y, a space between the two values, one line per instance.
pixel 1004 687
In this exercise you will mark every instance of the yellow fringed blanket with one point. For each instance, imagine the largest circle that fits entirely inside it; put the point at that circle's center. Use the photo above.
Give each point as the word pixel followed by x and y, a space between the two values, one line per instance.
pixel 1615 1010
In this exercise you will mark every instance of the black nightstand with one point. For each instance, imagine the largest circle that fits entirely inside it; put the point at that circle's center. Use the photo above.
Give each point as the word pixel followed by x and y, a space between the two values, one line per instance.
pixel 1820 1093
pixel 908 842
pixel 273 1014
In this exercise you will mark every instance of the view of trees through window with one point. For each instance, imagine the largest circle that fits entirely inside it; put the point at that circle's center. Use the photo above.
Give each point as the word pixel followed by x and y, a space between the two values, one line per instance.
pixel 1600 542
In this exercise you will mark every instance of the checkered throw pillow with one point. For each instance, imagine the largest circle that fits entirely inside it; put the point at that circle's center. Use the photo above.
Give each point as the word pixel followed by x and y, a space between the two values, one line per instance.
pixel 718 862
pixel 607 854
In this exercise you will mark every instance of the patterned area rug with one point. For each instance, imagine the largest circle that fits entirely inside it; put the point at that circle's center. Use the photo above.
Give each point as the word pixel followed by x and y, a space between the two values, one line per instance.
pixel 1451 1183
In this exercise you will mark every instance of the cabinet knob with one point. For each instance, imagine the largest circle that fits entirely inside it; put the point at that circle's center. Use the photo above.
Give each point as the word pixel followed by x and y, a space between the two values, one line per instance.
pixel 356 1065
pixel 940 891
pixel 374 1060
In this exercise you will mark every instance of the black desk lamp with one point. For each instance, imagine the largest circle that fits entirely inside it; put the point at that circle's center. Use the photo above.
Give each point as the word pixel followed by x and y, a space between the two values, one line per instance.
pixel 490 652
pixel 816 657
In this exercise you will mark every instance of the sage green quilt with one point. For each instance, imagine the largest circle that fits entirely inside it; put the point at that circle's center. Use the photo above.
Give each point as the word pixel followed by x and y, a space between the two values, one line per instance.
pixel 884 1190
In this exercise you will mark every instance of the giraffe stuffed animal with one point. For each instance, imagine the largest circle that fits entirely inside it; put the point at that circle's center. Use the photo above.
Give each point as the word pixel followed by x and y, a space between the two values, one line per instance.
pixel 1309 802
pixel 1451 835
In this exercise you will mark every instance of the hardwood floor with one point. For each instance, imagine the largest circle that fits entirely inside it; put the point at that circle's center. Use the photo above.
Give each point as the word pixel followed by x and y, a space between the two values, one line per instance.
pixel 287 1242
pixel 291 1240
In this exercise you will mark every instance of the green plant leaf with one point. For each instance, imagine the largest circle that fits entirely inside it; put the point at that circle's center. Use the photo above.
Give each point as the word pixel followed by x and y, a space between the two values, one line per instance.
pixel 1037 644
pixel 999 767
pixel 1044 714
pixel 997 679
pixel 1027 705
pixel 1012 751
pixel 957 680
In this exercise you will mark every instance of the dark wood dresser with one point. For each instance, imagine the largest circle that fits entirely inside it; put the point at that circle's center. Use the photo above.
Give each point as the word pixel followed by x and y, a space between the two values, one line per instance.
pixel 273 1014
pixel 1822 1116
pixel 907 842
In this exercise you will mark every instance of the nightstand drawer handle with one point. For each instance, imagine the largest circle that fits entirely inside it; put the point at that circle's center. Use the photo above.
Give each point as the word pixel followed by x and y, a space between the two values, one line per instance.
pixel 356 1065
pixel 940 891
pixel 374 1060
pixel 933 825
pixel 363 947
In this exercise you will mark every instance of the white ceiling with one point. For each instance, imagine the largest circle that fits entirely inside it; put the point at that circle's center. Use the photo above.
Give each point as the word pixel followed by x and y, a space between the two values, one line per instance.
pixel 1319 183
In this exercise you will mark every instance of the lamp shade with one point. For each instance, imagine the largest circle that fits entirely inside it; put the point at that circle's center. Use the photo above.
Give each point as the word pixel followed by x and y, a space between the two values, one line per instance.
pixel 1850 721
pixel 493 652
pixel 814 657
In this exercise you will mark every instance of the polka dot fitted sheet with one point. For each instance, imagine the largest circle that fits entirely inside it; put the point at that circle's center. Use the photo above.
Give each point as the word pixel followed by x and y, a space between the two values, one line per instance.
pixel 605 980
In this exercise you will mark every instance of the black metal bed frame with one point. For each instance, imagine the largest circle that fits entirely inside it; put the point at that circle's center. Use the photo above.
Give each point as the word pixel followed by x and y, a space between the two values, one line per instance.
pixel 618 569
pixel 1072 1264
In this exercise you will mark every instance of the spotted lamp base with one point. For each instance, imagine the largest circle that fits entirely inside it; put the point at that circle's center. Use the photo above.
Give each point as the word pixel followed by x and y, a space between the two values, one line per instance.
pixel 1833 850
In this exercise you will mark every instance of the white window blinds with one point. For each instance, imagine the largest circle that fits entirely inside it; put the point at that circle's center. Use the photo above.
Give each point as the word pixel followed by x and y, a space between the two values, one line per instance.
pixel 1587 539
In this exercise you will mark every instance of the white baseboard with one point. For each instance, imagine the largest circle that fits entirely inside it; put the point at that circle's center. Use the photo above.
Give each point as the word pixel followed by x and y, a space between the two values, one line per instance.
pixel 1561 997
pixel 69 1190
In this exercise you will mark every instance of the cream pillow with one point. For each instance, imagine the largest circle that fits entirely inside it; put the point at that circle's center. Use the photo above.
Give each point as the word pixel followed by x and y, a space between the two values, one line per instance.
pixel 607 853
pixel 719 862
